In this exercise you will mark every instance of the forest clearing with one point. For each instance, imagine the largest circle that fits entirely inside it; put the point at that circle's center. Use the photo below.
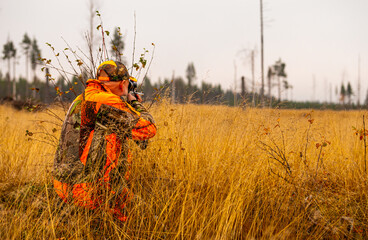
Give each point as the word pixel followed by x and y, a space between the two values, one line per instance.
pixel 211 172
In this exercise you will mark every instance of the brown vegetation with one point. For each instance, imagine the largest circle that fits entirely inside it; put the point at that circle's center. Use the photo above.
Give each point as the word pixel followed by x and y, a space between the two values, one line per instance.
pixel 212 172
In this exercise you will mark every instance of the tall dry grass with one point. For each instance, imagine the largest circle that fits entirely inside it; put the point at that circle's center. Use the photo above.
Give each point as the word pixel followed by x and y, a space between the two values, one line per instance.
pixel 211 172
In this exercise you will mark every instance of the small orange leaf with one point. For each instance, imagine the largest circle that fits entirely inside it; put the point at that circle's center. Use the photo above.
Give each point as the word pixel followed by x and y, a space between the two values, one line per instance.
pixel 35 89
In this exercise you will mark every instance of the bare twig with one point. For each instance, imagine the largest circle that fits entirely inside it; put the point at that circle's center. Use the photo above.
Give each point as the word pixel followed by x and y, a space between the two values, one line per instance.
pixel 42 141
pixel 278 175
pixel 365 147
pixel 54 115
pixel 149 65
pixel 157 95
pixel 306 146
pixel 57 69
pixel 135 35
pixel 104 50
pixel 104 44
pixel 319 156
pixel 275 152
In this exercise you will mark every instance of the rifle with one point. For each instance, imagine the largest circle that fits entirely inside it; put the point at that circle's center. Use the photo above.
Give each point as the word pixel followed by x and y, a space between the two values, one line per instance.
pixel 132 88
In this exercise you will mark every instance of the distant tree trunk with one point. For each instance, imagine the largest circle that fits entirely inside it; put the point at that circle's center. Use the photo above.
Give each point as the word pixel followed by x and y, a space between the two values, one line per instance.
pixel 269 81
pixel 92 14
pixel 243 91
pixel 14 80
pixel 173 88
pixel 330 85
pixel 61 89
pixel 47 88
pixel 235 100
pixel 279 87
pixel 34 85
pixel 253 81
pixel 27 74
pixel 358 88
pixel 262 60
pixel 8 84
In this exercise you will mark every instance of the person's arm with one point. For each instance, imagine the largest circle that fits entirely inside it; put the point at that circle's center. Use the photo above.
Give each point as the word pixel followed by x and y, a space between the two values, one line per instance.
pixel 130 118
pixel 145 128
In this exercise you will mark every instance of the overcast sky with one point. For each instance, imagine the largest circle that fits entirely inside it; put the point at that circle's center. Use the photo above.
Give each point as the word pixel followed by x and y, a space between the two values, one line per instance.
pixel 319 40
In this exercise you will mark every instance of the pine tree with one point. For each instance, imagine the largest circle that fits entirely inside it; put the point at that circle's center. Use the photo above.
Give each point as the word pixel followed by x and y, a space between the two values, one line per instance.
pixel 342 93
pixel 243 87
pixel 9 52
pixel 117 44
pixel 34 57
pixel 14 56
pixel 280 73
pixel 270 74
pixel 349 92
pixel 26 45
pixel 191 74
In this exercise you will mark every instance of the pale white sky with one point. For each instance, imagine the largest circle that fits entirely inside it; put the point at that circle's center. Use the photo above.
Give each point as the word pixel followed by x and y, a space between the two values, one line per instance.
pixel 313 37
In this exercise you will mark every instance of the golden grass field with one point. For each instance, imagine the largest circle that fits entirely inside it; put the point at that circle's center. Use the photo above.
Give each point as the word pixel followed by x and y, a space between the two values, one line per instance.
pixel 211 172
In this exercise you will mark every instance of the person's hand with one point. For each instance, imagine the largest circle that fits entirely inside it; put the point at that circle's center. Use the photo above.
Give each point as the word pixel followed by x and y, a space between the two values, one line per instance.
pixel 138 98
pixel 131 97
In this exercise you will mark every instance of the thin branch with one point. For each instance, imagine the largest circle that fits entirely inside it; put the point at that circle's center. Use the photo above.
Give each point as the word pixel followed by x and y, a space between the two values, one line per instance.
pixel 54 115
pixel 365 147
pixel 319 156
pixel 58 69
pixel 135 35
pixel 104 44
pixel 306 145
pixel 149 65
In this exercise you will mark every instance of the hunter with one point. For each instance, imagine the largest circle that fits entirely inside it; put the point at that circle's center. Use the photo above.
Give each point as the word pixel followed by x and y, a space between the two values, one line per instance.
pixel 92 162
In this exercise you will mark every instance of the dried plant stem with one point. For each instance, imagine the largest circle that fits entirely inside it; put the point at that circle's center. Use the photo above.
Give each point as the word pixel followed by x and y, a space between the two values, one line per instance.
pixel 50 213
pixel 104 44
pixel 319 157
pixel 149 65
pixel 135 35
pixel 306 145
pixel 365 147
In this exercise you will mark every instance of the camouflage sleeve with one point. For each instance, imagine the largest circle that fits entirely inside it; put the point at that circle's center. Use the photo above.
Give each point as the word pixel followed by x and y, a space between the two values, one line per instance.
pixel 142 110
pixel 116 120
pixel 145 127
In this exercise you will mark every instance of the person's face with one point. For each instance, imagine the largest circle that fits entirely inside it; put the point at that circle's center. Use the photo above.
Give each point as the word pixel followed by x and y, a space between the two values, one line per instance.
pixel 118 88
pixel 123 86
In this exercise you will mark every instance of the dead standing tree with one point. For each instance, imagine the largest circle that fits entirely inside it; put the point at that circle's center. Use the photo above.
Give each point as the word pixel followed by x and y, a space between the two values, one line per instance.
pixel 26 45
pixel 35 60
pixel 262 55
pixel 9 52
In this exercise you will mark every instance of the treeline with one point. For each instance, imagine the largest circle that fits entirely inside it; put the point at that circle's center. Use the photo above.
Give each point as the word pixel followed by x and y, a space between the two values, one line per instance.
pixel 39 91
pixel 177 89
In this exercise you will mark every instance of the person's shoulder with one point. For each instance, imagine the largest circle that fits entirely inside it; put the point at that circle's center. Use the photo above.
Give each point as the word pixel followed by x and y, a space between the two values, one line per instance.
pixel 105 98
pixel 111 99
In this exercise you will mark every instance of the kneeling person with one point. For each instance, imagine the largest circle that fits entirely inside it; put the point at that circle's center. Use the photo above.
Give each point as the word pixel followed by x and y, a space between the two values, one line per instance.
pixel 92 162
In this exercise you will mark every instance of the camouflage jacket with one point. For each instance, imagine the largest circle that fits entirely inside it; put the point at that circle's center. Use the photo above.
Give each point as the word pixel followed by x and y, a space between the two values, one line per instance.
pixel 93 141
